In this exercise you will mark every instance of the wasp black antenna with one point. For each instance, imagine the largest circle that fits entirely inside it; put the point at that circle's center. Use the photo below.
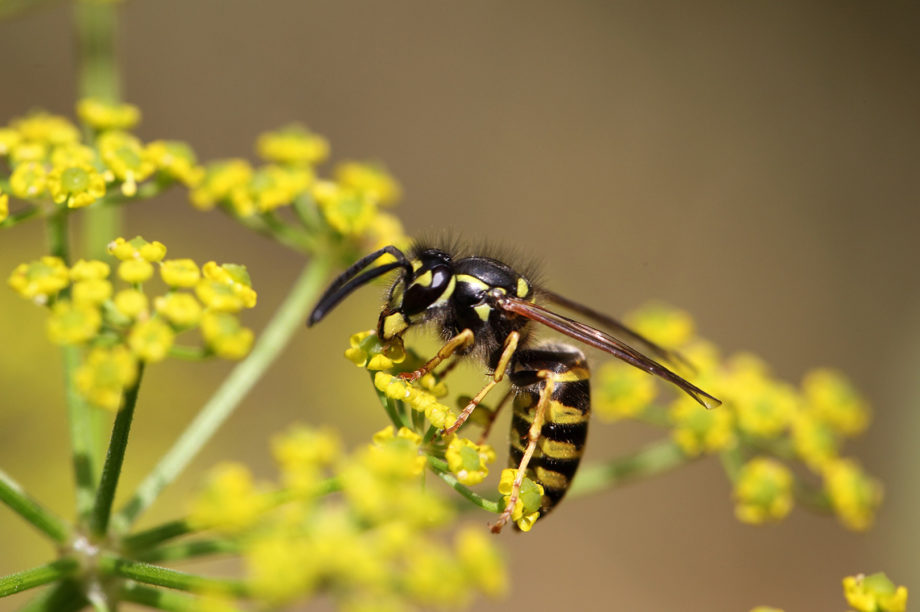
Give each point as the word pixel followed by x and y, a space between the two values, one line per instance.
pixel 348 282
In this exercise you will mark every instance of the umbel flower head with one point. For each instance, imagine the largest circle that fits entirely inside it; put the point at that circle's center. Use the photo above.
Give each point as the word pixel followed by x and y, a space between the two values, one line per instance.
pixel 116 325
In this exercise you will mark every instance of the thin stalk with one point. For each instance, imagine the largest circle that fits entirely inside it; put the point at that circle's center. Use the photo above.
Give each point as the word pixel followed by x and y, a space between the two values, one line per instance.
pixel 188 550
pixel 114 459
pixel 155 535
pixel 171 601
pixel 286 320
pixel 98 77
pixel 64 596
pixel 37 576
pixel 656 458
pixel 439 467
pixel 40 517
pixel 161 576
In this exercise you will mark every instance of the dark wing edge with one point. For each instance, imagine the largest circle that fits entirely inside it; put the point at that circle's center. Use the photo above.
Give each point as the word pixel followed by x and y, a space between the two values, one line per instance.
pixel 617 327
pixel 605 342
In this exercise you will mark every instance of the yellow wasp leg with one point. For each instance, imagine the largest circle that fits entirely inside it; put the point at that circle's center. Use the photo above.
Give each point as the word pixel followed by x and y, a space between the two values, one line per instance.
pixel 533 435
pixel 511 343
pixel 464 338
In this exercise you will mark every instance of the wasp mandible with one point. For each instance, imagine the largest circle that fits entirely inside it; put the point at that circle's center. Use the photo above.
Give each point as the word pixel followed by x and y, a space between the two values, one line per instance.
pixel 485 310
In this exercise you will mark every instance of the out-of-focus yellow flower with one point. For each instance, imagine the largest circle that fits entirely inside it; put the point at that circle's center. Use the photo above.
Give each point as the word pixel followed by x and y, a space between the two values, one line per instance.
pixel 89 270
pixel 481 561
pixel 137 248
pixel 854 495
pixel 180 309
pixel 135 270
pixel 225 288
pixel 875 593
pixel 4 206
pixel 434 580
pixel 269 188
pixel 386 229
pixel 177 160
pixel 763 491
pixel 125 157
pixel 833 400
pixel 763 407
pixel 39 280
pixel 662 324
pixel 347 211
pixel 468 461
pixel 180 273
pixel 220 179
pixel 230 501
pixel 151 340
pixel 622 391
pixel 372 180
pixel 46 128
pixel 131 303
pixel 75 185
pixel 292 144
pixel 527 507
pixel 280 567
pixel 29 180
pixel 224 334
pixel 301 452
pixel 366 351
pixel 814 440
pixel 102 115
pixel 72 154
pixel 697 430
pixel 105 374
pixel 92 291
pixel 29 151
pixel 71 323
pixel 9 140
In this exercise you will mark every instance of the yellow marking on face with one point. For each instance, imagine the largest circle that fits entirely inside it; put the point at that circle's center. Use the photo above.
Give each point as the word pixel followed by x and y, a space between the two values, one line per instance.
pixel 424 279
pixel 416 265
pixel 559 450
pixel 472 280
pixel 448 291
pixel 393 325
pixel 551 479
pixel 483 311
pixel 522 287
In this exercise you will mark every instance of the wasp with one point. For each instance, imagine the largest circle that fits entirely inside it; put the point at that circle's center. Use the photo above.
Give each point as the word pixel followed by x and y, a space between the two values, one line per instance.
pixel 485 310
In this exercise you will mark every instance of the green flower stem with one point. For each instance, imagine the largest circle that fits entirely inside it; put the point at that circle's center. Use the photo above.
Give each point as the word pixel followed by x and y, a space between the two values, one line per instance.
pixel 37 576
pixel 64 596
pixel 189 353
pixel 83 437
pixel 98 77
pixel 656 458
pixel 105 495
pixel 18 217
pixel 188 550
pixel 161 533
pixel 42 519
pixel 389 405
pixel 286 320
pixel 439 467
pixel 9 8
pixel 732 461
pixel 171 601
pixel 297 241
pixel 161 576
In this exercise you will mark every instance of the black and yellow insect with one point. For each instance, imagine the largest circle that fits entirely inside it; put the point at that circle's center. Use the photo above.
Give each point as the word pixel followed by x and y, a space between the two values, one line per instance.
pixel 484 309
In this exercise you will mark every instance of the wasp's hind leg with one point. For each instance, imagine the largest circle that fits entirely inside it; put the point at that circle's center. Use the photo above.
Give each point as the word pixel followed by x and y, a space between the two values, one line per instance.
pixel 511 344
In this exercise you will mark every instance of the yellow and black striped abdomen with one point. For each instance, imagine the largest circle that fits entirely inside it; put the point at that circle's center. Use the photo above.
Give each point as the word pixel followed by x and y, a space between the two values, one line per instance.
pixel 565 425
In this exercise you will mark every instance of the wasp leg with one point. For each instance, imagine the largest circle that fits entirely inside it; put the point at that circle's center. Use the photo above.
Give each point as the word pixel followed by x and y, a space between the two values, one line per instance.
pixel 511 344
pixel 492 417
pixel 533 435
pixel 461 340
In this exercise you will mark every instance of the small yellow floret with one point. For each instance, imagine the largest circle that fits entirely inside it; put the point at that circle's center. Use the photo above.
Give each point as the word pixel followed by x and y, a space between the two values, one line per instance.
pixel 623 392
pixel 151 340
pixel 135 270
pixel 131 303
pixel 39 280
pixel 854 494
pixel 29 180
pixel 180 309
pixel 46 128
pixel 230 501
pixel 105 375
pixel 103 115
pixel 763 491
pixel 468 461
pixel 4 206
pixel 875 593
pixel 370 179
pixel 76 185
pixel 292 144
pixel 180 273
pixel 93 291
pixel 176 159
pixel 662 324
pixel 347 211
pixel 833 400
pixel 126 159
pixel 697 430
pixel 71 323
pixel 224 334
pixel 89 270
pixel 220 180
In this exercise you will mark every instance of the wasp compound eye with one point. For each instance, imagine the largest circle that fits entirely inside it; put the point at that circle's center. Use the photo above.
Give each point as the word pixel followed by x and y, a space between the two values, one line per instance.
pixel 426 289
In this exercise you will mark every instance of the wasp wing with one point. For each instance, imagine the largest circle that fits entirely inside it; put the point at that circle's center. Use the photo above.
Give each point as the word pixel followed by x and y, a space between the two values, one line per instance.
pixel 616 327
pixel 605 342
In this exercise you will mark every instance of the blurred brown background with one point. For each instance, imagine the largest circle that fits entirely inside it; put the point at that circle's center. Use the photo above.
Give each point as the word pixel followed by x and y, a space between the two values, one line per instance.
pixel 756 164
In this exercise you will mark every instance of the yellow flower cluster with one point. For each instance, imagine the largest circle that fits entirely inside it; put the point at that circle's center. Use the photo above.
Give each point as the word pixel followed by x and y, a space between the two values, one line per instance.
pixel 875 593
pixel 347 205
pixel 527 507
pixel 49 162
pixel 118 327
pixel 360 527
pixel 759 412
